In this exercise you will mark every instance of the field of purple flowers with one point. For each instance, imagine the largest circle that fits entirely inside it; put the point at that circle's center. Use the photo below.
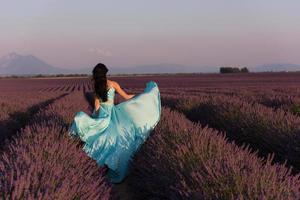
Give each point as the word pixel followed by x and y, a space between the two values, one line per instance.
pixel 219 137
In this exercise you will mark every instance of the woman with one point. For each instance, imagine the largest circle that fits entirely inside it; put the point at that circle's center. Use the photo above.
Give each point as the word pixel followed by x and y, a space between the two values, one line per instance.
pixel 114 133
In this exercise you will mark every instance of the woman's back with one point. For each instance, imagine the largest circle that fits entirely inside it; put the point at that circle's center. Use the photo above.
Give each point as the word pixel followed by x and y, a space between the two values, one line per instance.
pixel 110 98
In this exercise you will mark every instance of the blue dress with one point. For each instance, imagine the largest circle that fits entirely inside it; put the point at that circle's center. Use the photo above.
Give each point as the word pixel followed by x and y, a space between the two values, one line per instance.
pixel 116 133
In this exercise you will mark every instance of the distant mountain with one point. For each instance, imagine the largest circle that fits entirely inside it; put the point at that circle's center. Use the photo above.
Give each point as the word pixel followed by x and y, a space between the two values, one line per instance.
pixel 276 67
pixel 174 68
pixel 152 69
pixel 16 64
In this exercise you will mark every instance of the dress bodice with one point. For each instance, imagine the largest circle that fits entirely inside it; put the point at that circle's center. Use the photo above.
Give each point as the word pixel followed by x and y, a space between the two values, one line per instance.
pixel 105 107
pixel 110 94
pixel 110 97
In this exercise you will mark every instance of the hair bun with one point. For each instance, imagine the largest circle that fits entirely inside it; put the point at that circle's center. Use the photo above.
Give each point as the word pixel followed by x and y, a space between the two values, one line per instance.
pixel 100 68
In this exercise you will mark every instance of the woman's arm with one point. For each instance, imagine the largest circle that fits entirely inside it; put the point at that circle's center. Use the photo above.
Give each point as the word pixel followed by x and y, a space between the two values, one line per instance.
pixel 121 91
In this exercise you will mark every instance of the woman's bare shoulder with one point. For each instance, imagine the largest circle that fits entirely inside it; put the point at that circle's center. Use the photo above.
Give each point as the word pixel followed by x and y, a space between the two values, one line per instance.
pixel 109 83
pixel 112 83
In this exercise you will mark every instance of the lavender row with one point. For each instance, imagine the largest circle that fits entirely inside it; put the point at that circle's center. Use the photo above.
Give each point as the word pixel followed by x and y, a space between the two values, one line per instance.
pixel 287 102
pixel 262 128
pixel 16 102
pixel 182 160
pixel 42 84
pixel 287 99
pixel 16 110
pixel 289 82
pixel 273 98
pixel 44 162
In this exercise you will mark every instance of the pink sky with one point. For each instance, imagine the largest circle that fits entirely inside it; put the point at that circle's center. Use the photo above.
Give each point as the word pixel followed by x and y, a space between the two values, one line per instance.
pixel 76 34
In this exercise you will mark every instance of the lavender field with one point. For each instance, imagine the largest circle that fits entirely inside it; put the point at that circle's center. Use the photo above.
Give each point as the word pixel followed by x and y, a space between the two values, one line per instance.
pixel 230 136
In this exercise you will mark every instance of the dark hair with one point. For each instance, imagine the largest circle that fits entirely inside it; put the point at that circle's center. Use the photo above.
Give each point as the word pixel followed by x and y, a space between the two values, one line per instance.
pixel 100 84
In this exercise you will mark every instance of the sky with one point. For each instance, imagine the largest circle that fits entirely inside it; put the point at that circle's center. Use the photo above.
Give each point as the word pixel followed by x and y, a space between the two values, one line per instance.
pixel 76 33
